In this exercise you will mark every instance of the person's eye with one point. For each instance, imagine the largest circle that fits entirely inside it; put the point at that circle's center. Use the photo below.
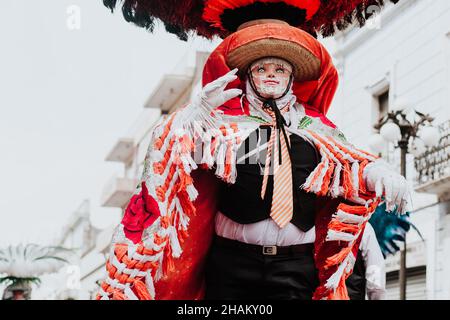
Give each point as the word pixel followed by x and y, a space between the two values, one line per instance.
pixel 280 70
pixel 261 70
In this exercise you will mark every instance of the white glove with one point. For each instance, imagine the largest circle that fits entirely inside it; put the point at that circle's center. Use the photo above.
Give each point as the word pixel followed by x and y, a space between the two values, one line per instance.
pixel 213 94
pixel 382 180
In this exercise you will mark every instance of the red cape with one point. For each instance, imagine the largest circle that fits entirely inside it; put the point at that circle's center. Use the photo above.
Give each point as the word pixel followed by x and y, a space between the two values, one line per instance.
pixel 316 97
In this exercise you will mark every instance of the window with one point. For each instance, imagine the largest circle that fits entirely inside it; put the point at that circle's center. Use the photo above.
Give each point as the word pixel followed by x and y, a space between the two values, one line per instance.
pixel 379 95
pixel 416 288
pixel 383 104
pixel 381 101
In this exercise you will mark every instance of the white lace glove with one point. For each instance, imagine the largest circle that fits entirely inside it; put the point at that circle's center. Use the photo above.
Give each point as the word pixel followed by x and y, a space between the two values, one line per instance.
pixel 381 179
pixel 214 95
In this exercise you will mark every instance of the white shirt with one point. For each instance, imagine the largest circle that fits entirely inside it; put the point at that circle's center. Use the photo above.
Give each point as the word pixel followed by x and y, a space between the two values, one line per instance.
pixel 263 233
pixel 374 264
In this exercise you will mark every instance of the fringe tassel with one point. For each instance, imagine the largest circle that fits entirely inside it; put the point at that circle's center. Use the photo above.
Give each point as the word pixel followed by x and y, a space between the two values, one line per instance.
pixel 220 162
pixel 130 294
pixel 348 218
pixel 207 156
pixel 339 236
pixel 335 187
pixel 347 182
pixel 339 226
pixel 356 178
pixel 175 244
pixel 334 280
pixel 149 285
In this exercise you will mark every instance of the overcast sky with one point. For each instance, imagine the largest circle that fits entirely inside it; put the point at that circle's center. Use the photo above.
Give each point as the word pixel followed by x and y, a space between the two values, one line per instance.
pixel 66 96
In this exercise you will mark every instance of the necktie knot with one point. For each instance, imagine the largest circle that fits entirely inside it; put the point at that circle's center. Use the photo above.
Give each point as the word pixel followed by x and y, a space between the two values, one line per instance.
pixel 271 108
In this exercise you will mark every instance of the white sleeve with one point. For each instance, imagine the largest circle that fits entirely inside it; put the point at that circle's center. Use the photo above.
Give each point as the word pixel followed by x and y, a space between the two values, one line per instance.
pixel 374 263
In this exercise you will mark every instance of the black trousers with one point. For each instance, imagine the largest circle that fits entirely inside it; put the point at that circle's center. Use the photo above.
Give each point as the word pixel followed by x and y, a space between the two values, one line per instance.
pixel 236 272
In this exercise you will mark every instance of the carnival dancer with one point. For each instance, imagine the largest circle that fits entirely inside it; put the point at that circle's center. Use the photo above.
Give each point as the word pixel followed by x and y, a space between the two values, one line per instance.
pixel 251 175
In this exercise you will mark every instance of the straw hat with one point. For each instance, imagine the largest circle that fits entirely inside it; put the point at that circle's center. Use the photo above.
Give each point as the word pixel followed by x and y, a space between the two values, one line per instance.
pixel 273 38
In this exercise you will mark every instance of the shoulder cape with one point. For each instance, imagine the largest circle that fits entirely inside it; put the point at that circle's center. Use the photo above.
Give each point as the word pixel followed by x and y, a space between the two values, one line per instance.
pixel 159 249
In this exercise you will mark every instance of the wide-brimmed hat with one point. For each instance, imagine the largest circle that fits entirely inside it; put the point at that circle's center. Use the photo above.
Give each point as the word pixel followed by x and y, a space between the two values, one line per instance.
pixel 262 38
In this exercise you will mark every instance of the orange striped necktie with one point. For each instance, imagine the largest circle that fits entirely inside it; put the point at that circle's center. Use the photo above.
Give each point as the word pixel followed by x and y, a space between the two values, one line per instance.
pixel 282 206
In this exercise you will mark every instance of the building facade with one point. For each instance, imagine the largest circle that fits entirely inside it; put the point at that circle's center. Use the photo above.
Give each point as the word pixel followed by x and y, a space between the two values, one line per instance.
pixel 72 281
pixel 172 91
pixel 403 54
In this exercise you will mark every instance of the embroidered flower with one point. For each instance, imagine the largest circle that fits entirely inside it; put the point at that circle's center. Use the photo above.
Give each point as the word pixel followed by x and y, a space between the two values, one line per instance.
pixel 141 212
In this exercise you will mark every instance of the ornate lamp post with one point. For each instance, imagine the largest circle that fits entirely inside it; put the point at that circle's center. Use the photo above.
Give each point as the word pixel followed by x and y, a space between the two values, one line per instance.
pixel 412 132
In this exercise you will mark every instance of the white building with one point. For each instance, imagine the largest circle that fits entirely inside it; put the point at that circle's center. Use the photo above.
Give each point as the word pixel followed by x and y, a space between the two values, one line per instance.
pixel 79 235
pixel 404 54
pixel 89 240
pixel 172 91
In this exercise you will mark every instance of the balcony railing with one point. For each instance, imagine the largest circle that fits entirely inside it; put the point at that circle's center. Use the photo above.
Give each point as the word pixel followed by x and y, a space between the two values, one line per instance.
pixel 118 191
pixel 433 167
pixel 122 151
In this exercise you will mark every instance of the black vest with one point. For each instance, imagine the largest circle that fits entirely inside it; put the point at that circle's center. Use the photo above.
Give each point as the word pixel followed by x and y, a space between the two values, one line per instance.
pixel 242 201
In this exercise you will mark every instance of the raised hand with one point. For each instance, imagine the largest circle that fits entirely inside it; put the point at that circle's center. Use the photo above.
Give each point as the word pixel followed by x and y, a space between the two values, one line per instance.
pixel 214 95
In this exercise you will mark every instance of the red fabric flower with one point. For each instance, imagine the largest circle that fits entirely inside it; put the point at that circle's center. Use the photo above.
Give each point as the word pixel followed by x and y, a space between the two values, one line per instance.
pixel 141 212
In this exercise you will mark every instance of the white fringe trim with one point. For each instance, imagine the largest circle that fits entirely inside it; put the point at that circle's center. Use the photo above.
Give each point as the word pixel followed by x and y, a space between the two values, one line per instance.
pixel 355 176
pixel 351 263
pixel 333 235
pixel 130 294
pixel 103 294
pixel 115 284
pixel 150 284
pixel 192 192
pixel 333 281
pixel 345 217
pixel 174 242
pixel 183 218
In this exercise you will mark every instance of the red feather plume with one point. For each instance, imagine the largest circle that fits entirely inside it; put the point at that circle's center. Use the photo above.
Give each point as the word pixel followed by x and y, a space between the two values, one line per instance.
pixel 183 17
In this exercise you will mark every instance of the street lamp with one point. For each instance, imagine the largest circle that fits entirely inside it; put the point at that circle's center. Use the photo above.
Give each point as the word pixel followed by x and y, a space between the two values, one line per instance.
pixel 412 132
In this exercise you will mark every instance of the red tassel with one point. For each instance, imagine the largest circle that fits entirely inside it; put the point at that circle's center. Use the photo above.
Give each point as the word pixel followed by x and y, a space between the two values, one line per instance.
pixel 168 263
pixel 347 181
pixel 338 257
pixel 117 295
pixel 339 226
pixel 140 290
pixel 327 179
pixel 341 292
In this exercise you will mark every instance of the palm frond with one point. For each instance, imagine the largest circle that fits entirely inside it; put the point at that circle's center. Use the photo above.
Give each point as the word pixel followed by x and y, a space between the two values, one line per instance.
pixel 10 280
pixel 24 261
pixel 52 257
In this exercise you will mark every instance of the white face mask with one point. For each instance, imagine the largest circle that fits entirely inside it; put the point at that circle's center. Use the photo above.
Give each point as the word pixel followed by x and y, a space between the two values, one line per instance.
pixel 271 77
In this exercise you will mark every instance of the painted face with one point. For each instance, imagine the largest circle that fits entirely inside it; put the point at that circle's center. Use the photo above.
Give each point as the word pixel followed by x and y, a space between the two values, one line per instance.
pixel 271 76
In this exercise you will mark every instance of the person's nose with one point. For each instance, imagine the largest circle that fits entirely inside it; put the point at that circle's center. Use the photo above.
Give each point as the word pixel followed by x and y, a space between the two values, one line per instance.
pixel 271 75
